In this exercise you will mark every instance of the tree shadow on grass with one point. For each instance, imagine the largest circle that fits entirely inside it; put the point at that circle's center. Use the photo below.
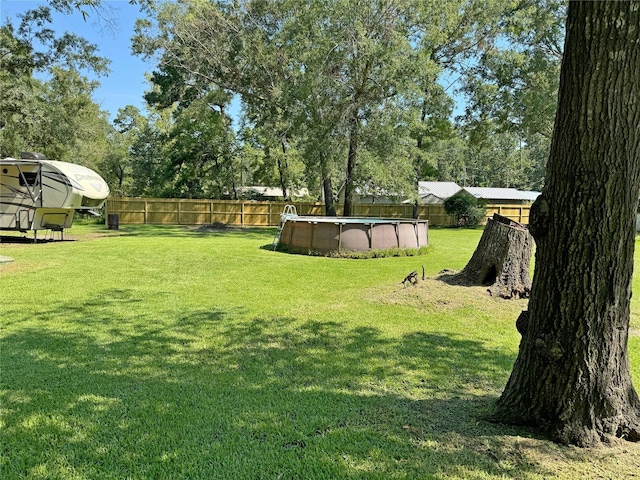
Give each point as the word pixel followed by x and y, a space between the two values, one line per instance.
pixel 214 394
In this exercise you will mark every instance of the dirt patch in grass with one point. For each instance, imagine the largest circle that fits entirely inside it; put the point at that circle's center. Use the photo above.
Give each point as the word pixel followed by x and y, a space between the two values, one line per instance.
pixel 434 294
pixel 88 236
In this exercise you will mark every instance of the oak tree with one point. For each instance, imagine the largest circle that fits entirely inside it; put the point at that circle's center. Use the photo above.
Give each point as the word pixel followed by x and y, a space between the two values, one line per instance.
pixel 572 372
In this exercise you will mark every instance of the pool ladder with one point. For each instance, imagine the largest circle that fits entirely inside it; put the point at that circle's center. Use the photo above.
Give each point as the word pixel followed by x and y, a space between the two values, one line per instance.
pixel 288 212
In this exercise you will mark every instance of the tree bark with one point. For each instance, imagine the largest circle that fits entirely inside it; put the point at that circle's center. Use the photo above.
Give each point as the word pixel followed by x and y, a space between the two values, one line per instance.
pixel 283 170
pixel 501 260
pixel 329 204
pixel 351 165
pixel 572 375
pixel 327 187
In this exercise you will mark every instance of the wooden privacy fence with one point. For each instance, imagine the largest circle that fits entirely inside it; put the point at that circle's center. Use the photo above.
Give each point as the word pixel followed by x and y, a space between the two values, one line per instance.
pixel 173 211
pixel 519 213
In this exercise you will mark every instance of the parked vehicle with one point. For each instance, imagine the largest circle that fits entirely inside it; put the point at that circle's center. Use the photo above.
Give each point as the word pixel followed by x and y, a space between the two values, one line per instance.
pixel 41 194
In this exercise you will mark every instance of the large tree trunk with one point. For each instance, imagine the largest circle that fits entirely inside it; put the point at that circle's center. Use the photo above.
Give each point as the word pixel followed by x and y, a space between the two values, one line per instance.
pixel 501 260
pixel 329 204
pixel 327 187
pixel 283 170
pixel 572 372
pixel 351 165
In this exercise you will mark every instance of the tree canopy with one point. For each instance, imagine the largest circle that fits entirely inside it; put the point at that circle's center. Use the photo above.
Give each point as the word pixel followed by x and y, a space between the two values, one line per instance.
pixel 351 91
pixel 45 99
pixel 342 97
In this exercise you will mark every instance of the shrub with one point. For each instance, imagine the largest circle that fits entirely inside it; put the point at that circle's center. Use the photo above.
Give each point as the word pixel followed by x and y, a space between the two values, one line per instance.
pixel 466 209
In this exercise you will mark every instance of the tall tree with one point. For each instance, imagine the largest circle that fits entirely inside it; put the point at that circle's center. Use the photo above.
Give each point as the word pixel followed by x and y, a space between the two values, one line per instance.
pixel 235 47
pixel 201 148
pixel 513 85
pixel 52 114
pixel 69 118
pixel 374 64
pixel 498 160
pixel 150 164
pixel 294 59
pixel 572 371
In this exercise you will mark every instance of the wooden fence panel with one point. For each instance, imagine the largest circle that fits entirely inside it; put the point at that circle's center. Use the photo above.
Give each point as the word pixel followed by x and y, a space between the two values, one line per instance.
pixel 228 213
pixel 519 213
pixel 308 209
pixel 257 214
pixel 163 211
pixel 383 210
pixel 194 212
pixel 436 215
pixel 168 211
pixel 130 210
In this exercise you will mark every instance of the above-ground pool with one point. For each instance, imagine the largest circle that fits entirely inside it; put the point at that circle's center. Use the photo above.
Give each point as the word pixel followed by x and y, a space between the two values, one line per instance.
pixel 328 234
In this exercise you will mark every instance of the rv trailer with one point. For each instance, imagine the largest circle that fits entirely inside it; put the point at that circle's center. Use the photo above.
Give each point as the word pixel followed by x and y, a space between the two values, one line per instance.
pixel 41 194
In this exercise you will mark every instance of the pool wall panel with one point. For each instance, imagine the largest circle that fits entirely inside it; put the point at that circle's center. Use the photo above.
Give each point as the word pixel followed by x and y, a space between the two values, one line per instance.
pixel 325 237
pixel 355 237
pixel 324 234
pixel 384 236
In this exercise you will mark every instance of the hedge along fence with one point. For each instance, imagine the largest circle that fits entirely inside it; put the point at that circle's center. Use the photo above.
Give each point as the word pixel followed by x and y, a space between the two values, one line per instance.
pixel 173 211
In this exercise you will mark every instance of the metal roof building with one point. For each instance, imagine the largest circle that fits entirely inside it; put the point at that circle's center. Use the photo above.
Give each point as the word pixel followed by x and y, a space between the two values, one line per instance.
pixel 502 195
pixel 437 192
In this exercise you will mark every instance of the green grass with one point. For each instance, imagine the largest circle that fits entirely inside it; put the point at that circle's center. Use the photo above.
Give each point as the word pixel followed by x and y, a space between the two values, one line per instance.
pixel 164 352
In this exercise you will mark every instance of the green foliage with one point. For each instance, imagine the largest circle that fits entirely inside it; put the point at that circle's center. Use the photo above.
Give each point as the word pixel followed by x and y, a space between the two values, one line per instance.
pixel 445 160
pixel 46 103
pixel 201 169
pixel 513 87
pixel 466 209
pixel 376 253
pixel 384 253
pixel 341 83
pixel 501 159
pixel 336 95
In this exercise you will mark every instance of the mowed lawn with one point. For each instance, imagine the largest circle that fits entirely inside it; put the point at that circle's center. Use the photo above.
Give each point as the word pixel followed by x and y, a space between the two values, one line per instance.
pixel 169 352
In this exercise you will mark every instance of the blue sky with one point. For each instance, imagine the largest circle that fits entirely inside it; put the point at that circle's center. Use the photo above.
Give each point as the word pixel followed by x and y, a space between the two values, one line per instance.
pixel 126 83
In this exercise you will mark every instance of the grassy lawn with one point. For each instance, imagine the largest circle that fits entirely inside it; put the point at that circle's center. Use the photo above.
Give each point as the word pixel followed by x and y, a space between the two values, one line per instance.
pixel 166 352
